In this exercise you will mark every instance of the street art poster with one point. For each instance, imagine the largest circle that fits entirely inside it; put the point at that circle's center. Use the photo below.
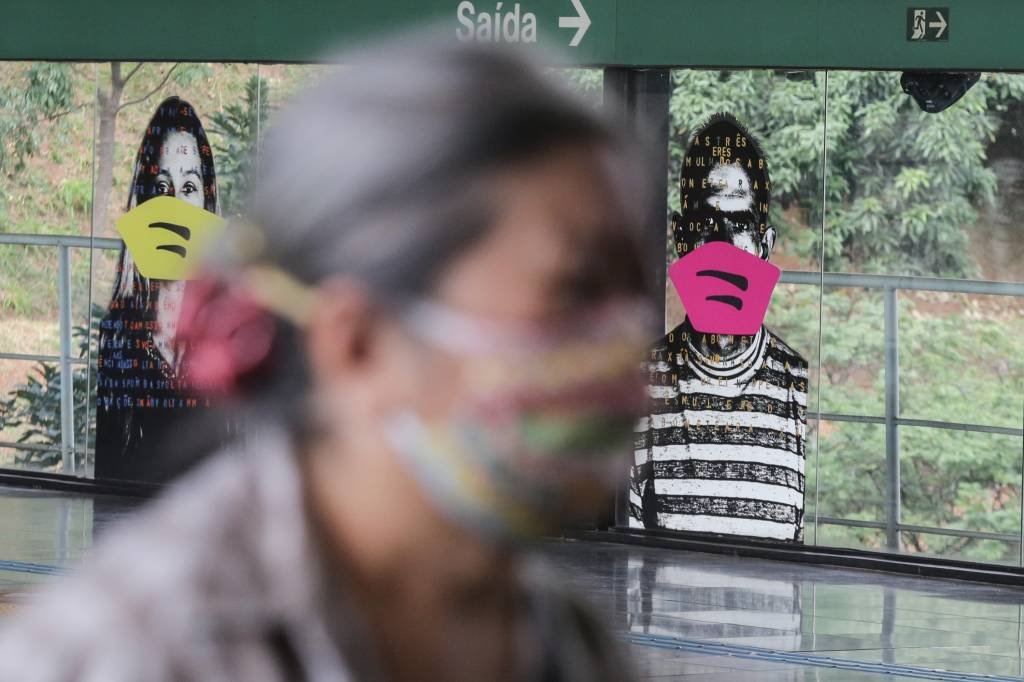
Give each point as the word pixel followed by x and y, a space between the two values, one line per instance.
pixel 143 387
pixel 721 449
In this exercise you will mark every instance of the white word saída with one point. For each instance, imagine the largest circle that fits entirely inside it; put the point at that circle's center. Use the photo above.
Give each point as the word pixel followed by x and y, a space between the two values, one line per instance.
pixel 502 25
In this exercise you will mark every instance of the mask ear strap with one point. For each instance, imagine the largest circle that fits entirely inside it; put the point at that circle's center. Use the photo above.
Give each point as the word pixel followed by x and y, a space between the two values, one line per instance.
pixel 279 292
pixel 449 329
pixel 276 290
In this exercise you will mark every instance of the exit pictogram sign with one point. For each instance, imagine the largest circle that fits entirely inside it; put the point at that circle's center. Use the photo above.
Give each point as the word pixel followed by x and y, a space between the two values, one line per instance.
pixel 928 24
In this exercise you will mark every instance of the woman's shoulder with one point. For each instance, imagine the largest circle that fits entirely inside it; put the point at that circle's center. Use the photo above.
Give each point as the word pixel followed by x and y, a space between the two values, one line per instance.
pixel 160 589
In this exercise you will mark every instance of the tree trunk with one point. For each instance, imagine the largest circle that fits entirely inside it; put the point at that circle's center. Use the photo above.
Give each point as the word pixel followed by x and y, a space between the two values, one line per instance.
pixel 108 104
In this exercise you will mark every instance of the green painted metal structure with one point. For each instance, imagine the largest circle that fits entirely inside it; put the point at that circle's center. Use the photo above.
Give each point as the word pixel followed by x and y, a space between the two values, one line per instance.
pixel 983 34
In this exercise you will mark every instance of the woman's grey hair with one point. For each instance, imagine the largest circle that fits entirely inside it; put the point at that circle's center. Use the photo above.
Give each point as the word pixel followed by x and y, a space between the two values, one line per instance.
pixel 384 173
pixel 381 171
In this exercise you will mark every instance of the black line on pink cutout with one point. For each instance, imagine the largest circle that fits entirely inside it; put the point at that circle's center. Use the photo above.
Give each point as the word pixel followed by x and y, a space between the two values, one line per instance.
pixel 738 281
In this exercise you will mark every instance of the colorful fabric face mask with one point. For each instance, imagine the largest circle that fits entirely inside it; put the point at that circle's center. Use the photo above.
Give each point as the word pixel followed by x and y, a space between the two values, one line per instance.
pixel 725 290
pixel 547 426
pixel 546 422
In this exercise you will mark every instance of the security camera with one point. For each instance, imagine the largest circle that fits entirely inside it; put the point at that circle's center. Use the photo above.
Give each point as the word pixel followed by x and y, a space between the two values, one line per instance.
pixel 936 91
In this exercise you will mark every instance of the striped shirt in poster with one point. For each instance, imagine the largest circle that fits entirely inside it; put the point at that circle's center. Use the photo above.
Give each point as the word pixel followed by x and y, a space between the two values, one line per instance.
pixel 721 449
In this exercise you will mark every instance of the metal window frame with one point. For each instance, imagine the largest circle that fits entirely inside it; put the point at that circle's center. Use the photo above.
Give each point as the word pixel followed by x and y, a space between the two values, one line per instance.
pixel 642 99
pixel 888 284
pixel 64 359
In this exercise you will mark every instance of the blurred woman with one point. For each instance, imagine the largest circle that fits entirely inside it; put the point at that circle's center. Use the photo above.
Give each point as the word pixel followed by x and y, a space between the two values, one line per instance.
pixel 142 391
pixel 432 318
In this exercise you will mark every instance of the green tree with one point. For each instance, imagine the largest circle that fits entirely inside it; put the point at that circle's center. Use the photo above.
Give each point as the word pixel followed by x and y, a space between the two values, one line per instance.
pixel 238 127
pixel 902 186
pixel 43 92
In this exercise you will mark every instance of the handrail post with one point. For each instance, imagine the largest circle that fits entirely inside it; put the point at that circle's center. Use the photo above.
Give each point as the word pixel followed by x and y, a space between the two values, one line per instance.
pixel 67 403
pixel 892 413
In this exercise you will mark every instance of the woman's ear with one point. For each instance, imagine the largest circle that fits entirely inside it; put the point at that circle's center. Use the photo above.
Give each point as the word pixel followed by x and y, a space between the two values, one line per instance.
pixel 340 330
pixel 767 242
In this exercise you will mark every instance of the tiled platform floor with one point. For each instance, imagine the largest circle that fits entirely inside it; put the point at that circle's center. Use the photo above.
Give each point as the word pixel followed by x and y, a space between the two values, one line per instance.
pixel 662 602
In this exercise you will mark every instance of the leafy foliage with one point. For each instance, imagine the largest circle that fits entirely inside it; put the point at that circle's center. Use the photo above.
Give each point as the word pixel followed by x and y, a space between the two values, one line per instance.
pixel 901 196
pixel 33 410
pixel 44 92
pixel 902 185
pixel 237 126
pixel 964 366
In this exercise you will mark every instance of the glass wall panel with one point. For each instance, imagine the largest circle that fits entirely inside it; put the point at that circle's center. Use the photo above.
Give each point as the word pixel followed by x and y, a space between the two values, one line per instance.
pixel 282 82
pixel 962 358
pixel 794 316
pixel 963 482
pixel 29 286
pixel 277 85
pixel 905 187
pixel 70 135
pixel 851 484
pixel 902 287
pixel 852 352
pixel 922 323
pixel 919 448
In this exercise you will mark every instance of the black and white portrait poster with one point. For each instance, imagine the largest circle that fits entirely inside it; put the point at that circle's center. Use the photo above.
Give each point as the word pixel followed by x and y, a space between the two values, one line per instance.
pixel 143 389
pixel 721 449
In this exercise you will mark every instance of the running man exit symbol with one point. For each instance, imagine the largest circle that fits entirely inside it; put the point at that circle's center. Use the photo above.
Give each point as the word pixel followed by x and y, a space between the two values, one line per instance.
pixel 928 24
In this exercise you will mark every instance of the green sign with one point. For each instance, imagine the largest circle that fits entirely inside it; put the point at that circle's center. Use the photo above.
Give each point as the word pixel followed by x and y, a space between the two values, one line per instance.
pixel 293 30
pixel 643 33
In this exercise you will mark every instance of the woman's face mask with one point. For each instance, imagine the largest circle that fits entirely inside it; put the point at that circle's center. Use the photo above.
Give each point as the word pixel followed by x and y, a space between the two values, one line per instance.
pixel 543 432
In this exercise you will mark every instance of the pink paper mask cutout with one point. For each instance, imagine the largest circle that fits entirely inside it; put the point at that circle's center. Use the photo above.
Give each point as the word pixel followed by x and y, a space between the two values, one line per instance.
pixel 725 290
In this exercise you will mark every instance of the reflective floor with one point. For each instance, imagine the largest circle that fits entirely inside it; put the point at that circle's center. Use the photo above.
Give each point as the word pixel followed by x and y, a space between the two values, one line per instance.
pixel 767 620
pixel 41 533
pixel 683 615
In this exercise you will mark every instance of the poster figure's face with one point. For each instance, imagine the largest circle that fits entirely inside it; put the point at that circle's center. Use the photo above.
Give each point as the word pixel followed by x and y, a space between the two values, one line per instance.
pixel 173 209
pixel 733 201
pixel 180 170
pixel 722 237
pixel 724 191
pixel 725 211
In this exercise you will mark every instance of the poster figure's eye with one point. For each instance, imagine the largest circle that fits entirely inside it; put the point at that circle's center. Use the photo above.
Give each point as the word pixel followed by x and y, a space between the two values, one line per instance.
pixel 189 189
pixel 163 187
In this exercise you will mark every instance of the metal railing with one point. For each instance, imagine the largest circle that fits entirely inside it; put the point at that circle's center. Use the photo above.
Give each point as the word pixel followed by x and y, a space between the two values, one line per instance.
pixel 65 359
pixel 889 285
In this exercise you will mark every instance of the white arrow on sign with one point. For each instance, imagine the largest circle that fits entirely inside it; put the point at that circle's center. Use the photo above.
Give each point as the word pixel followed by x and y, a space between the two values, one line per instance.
pixel 940 24
pixel 580 22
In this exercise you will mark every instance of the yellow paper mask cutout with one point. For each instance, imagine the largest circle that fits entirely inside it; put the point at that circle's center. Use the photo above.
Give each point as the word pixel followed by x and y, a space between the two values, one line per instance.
pixel 167 237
